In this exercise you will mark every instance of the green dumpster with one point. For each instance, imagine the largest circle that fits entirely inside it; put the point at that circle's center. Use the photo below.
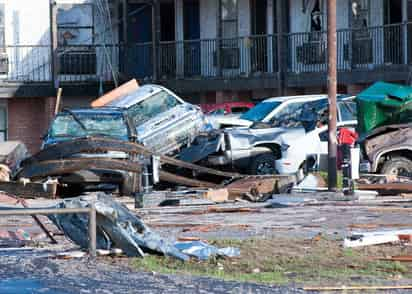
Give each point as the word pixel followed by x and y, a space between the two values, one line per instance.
pixel 383 104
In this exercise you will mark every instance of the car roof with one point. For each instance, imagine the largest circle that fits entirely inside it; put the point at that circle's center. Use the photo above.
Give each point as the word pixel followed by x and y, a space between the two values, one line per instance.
pixel 99 110
pixel 304 97
pixel 140 94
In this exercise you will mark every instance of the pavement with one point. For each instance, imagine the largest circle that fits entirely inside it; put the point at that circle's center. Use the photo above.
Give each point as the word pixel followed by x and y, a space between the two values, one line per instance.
pixel 35 268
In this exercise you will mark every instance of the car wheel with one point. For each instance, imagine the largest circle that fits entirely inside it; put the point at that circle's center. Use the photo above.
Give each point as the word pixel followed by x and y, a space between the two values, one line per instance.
pixel 126 187
pixel 264 164
pixel 399 166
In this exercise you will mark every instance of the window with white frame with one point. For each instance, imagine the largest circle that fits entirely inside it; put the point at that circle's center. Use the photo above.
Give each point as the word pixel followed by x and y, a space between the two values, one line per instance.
pixel 3 56
pixel 3 123
pixel 361 49
pixel 359 14
pixel 75 27
pixel 229 33
pixel 2 27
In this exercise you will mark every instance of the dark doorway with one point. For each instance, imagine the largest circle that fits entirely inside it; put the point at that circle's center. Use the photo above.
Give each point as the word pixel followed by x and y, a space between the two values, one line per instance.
pixel 191 24
pixel 393 44
pixel 167 21
pixel 167 50
pixel 137 52
pixel 259 53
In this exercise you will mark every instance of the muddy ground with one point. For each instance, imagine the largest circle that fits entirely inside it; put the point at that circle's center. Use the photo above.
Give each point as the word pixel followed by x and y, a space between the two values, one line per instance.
pixel 301 240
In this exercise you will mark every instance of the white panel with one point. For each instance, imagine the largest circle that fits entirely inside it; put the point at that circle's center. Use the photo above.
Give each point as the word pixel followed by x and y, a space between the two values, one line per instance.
pixel 244 18
pixel 208 19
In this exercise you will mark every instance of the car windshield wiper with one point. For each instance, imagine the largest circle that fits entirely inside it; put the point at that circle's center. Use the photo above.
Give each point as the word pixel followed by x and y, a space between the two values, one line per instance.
pixel 76 119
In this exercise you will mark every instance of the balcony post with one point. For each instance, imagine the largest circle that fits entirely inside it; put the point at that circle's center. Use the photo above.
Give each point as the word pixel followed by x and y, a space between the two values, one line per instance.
pixel 280 47
pixel 405 30
pixel 54 59
pixel 155 38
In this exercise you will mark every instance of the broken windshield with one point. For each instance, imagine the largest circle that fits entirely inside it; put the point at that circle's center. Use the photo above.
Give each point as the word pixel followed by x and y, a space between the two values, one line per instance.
pixel 300 114
pixel 152 106
pixel 65 125
pixel 260 111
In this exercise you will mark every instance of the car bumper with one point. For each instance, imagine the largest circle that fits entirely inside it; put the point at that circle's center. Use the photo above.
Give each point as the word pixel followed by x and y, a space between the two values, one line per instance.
pixel 286 166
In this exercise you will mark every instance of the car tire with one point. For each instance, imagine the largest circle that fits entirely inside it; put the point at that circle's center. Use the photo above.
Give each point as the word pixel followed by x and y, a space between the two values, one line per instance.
pixel 264 164
pixel 400 166
pixel 126 187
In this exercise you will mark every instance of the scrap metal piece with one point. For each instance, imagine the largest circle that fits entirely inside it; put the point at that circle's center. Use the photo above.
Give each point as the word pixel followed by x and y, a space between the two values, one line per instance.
pixel 58 167
pixel 117 227
pixel 99 145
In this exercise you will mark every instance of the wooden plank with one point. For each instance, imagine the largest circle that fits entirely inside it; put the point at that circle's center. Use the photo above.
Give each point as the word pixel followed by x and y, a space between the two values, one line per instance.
pixel 406 258
pixel 29 190
pixel 120 91
pixel 172 178
pixel 65 166
pixel 342 288
pixel 95 144
pixel 388 187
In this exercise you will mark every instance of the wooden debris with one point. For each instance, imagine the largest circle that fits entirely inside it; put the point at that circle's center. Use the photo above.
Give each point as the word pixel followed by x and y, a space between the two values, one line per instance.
pixel 203 228
pixel 392 188
pixel 256 187
pixel 217 195
pixel 342 288
pixel 375 226
pixel 30 190
pixel 374 238
pixel 231 209
pixel 186 239
pixel 390 209
pixel 214 227
pixel 116 93
pixel 404 258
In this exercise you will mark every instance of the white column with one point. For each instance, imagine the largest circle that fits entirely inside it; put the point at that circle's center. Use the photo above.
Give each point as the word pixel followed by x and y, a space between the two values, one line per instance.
pixel 405 30
pixel 179 38
pixel 271 39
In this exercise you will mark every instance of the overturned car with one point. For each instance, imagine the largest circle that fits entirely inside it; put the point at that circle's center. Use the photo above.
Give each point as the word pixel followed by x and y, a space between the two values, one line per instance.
pixel 151 115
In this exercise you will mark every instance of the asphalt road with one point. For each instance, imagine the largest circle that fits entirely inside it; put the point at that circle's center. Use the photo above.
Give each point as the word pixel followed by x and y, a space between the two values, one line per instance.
pixel 25 273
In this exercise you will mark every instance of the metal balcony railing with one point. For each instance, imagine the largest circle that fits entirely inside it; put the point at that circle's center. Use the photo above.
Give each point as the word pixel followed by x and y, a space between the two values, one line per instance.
pixel 371 48
pixel 25 63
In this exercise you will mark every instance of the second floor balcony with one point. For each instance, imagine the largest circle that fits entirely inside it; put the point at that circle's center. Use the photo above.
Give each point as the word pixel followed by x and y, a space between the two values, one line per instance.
pixel 373 49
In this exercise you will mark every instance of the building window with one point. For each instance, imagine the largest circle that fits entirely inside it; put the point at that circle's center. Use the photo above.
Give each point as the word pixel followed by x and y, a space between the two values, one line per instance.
pixel 359 14
pixel 2 30
pixel 3 124
pixel 361 51
pixel 316 17
pixel 4 64
pixel 229 33
pixel 75 27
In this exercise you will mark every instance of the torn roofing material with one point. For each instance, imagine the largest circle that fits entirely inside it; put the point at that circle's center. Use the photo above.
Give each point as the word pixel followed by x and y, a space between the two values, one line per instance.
pixel 117 227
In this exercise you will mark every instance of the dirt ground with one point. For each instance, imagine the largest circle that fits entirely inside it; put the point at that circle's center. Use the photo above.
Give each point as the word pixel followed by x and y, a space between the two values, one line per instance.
pixel 283 249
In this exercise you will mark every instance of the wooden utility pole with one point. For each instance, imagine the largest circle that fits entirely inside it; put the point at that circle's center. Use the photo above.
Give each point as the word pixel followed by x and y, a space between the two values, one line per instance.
pixel 332 88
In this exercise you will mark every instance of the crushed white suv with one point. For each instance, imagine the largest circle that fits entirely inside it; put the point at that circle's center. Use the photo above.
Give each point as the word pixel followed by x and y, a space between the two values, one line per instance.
pixel 295 128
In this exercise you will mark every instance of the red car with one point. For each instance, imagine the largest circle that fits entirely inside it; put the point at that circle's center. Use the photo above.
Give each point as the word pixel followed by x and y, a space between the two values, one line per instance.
pixel 226 108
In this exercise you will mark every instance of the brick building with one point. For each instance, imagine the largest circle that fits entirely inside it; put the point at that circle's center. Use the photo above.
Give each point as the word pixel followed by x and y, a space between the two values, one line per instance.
pixel 206 50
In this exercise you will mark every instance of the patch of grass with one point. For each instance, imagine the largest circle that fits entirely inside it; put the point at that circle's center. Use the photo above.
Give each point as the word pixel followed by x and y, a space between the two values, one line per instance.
pixel 339 179
pixel 276 261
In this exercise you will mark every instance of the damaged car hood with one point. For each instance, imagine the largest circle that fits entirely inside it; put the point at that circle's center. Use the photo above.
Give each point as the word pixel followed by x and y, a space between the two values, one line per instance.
pixel 243 138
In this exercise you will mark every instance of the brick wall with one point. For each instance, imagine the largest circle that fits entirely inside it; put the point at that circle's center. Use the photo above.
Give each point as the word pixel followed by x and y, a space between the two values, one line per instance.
pixel 28 120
